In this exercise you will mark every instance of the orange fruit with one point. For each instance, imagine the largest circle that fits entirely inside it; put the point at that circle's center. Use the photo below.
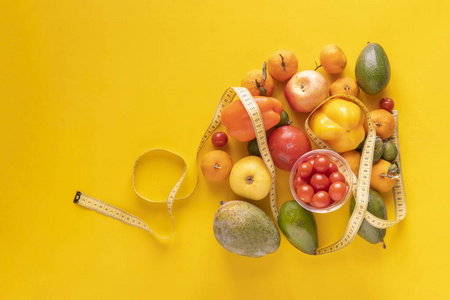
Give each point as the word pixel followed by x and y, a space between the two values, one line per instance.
pixel 344 85
pixel 333 59
pixel 282 65
pixel 384 123
pixel 383 176
pixel 255 83
pixel 216 165
pixel 353 158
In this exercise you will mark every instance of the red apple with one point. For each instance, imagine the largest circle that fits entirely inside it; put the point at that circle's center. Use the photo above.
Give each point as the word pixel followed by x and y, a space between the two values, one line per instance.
pixel 305 90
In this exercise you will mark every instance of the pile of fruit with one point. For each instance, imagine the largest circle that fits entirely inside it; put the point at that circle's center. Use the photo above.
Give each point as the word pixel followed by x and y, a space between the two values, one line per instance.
pixel 243 228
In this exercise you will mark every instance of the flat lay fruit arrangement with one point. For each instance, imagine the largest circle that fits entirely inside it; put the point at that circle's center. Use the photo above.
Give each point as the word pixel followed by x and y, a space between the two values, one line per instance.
pixel 321 180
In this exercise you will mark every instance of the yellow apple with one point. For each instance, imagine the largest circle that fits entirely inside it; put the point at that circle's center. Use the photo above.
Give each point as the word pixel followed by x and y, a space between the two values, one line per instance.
pixel 250 178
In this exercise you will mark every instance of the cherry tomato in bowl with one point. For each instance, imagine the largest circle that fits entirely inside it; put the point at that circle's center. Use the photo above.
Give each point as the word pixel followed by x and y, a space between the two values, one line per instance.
pixel 332 187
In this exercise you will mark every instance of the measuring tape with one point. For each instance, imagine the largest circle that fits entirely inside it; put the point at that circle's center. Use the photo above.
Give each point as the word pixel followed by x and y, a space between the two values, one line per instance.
pixel 361 185
pixel 227 97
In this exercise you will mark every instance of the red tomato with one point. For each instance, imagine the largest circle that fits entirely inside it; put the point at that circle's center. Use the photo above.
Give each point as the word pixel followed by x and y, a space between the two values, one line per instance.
pixel 305 169
pixel 298 181
pixel 321 164
pixel 337 176
pixel 286 144
pixel 219 139
pixel 320 182
pixel 387 104
pixel 305 192
pixel 337 190
pixel 332 168
pixel 321 199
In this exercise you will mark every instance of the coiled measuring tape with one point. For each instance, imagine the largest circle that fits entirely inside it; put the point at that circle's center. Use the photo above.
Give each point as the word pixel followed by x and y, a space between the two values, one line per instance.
pixel 360 187
pixel 361 184
pixel 227 97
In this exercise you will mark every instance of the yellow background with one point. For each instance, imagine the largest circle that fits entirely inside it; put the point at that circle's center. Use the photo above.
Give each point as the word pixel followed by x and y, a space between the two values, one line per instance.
pixel 87 86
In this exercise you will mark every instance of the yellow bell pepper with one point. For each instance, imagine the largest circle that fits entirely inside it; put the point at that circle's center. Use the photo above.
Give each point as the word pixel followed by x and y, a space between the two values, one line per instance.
pixel 339 123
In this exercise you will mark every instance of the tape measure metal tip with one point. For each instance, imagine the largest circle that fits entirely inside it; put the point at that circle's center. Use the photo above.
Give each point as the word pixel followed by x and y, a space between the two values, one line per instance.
pixel 77 197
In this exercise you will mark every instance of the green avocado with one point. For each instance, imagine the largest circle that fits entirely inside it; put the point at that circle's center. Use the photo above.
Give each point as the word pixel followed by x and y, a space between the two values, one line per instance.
pixel 377 208
pixel 298 226
pixel 252 148
pixel 245 229
pixel 372 69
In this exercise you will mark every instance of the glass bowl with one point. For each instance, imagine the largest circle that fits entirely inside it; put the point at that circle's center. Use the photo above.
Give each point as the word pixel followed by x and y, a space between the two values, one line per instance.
pixel 343 167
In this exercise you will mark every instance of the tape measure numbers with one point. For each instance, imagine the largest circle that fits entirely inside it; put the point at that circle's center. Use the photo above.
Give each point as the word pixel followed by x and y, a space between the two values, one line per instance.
pixel 361 185
pixel 227 97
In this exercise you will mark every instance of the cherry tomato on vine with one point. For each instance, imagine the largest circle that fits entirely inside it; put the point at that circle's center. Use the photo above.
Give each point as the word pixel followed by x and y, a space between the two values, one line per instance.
pixel 387 104
pixel 219 139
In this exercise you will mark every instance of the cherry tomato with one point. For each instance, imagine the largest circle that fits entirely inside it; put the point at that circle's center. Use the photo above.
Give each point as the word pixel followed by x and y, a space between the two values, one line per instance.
pixel 321 164
pixel 332 168
pixel 321 199
pixel 305 192
pixel 219 139
pixel 387 104
pixel 320 182
pixel 305 169
pixel 336 176
pixel 337 190
pixel 298 181
pixel 286 144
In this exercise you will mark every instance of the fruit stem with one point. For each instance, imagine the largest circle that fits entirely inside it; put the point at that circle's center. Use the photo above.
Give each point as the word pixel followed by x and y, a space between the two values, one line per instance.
pixel 282 62
pixel 249 179
pixel 222 202
pixel 217 166
pixel 383 244
pixel 393 171
pixel 317 66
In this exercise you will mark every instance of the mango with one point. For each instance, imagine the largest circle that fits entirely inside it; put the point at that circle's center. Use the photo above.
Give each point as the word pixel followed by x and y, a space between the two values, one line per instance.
pixel 298 226
pixel 376 207
pixel 244 229
pixel 372 69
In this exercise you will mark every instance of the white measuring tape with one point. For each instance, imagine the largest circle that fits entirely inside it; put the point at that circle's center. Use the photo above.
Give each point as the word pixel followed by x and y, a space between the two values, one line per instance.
pixel 360 187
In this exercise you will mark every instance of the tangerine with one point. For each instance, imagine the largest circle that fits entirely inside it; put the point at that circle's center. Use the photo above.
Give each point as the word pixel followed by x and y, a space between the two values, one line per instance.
pixel 282 65
pixel 258 82
pixel 344 85
pixel 216 165
pixel 333 59
pixel 384 175
pixel 353 158
pixel 384 123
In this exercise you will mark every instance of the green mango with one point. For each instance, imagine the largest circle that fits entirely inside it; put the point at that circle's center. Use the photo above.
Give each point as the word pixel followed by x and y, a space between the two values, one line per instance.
pixel 372 69
pixel 376 207
pixel 298 226
pixel 245 229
